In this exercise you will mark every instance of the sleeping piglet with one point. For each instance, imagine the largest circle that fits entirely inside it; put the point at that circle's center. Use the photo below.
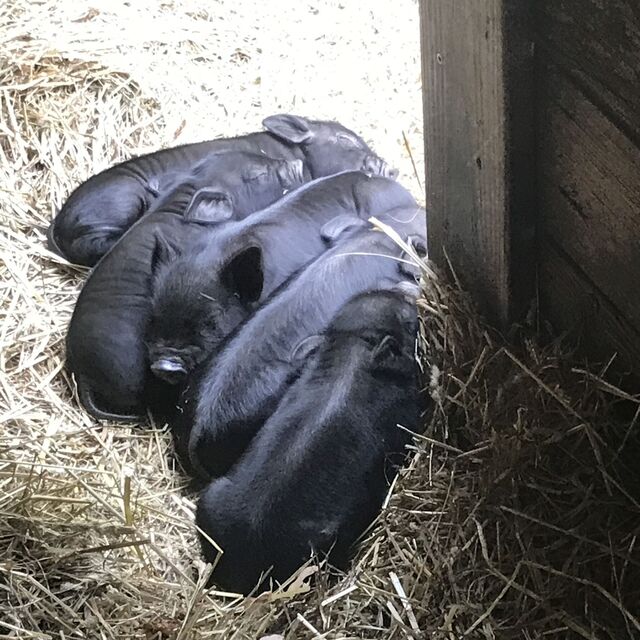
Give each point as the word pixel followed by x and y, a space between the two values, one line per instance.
pixel 199 299
pixel 105 339
pixel 101 209
pixel 230 396
pixel 316 475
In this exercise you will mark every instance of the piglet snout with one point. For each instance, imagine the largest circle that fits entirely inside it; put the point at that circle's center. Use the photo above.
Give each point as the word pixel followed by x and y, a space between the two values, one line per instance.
pixel 171 370
pixel 378 167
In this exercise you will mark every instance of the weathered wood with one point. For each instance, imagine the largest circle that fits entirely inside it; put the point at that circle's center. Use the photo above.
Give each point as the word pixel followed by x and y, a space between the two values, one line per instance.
pixel 589 191
pixel 571 302
pixel 598 43
pixel 477 61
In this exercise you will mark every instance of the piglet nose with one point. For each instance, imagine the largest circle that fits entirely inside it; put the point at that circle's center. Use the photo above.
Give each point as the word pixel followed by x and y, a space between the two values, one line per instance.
pixel 170 370
pixel 378 167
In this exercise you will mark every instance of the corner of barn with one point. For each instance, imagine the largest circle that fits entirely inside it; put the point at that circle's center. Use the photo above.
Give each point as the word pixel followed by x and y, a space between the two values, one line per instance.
pixel 516 515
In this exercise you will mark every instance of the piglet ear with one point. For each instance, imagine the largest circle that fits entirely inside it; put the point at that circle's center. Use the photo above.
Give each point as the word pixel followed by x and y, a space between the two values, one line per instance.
pixel 209 206
pixel 163 252
pixel 419 245
pixel 409 290
pixel 289 128
pixel 332 230
pixel 243 274
pixel 408 266
pixel 305 348
pixel 254 172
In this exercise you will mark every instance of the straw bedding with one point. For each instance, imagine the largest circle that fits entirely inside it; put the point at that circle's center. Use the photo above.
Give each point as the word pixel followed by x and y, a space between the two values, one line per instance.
pixel 517 515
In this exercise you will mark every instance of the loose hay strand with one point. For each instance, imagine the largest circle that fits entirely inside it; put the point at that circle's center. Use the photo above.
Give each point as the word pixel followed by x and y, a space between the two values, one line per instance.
pixel 510 520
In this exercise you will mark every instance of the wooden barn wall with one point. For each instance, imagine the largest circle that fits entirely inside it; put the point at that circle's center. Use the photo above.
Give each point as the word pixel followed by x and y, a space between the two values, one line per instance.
pixel 588 171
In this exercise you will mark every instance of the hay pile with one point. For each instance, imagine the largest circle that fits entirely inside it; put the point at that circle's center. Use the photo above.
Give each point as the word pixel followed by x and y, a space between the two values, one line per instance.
pixel 518 514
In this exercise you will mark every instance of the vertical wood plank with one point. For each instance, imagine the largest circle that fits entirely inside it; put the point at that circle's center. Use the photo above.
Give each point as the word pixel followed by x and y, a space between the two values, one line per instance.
pixel 477 66
pixel 573 303
pixel 588 175
pixel 588 182
pixel 597 44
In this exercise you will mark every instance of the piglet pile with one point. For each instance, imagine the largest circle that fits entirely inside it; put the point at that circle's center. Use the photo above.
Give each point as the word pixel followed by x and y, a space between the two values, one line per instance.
pixel 239 293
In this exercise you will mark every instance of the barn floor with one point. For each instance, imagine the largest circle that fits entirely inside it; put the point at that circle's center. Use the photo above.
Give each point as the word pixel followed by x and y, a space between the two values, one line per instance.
pixel 517 516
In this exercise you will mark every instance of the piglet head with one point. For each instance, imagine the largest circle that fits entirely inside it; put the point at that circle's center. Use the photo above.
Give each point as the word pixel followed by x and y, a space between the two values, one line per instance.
pixel 264 180
pixel 195 306
pixel 328 147
pixel 392 329
pixel 231 185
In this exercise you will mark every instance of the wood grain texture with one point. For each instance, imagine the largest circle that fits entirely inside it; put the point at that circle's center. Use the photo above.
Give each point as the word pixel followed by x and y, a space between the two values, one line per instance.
pixel 589 190
pixel 572 303
pixel 598 43
pixel 588 172
pixel 477 63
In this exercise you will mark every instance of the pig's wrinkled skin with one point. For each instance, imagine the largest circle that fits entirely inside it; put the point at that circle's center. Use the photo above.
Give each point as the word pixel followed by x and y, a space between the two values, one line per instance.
pixel 199 299
pixel 101 209
pixel 317 473
pixel 105 340
pixel 229 397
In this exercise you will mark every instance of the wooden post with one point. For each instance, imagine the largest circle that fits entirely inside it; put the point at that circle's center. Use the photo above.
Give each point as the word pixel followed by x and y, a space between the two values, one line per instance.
pixel 477 69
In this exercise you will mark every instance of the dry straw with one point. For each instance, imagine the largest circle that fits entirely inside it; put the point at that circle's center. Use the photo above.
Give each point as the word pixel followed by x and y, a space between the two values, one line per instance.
pixel 517 514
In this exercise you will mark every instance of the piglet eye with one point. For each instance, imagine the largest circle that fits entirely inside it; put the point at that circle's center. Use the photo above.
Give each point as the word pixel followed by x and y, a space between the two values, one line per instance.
pixel 255 174
pixel 372 339
pixel 349 140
